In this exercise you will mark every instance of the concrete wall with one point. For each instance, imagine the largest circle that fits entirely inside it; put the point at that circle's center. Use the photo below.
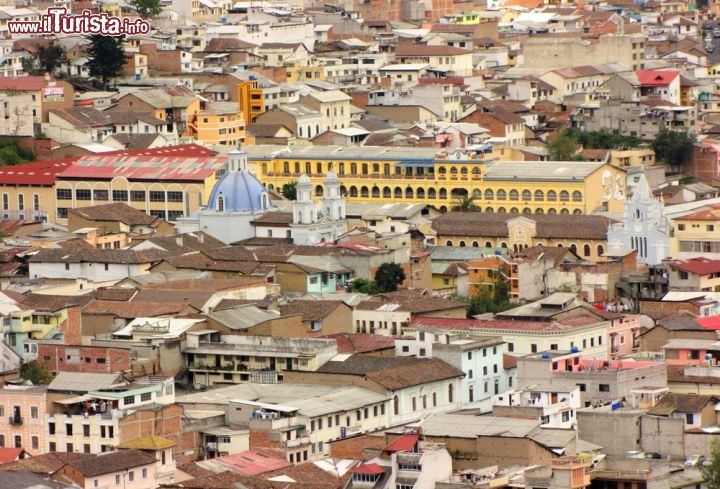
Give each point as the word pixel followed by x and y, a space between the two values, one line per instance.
pixel 663 435
pixel 617 431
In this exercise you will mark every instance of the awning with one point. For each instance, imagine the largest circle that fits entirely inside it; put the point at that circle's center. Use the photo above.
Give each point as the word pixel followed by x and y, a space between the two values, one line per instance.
pixel 74 400
pixel 415 164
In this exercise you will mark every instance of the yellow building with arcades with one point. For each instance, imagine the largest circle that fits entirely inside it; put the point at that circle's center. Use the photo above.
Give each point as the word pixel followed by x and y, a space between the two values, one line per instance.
pixel 413 175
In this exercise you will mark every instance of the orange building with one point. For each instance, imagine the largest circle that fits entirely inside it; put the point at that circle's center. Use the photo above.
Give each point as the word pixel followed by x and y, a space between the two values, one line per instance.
pixel 251 99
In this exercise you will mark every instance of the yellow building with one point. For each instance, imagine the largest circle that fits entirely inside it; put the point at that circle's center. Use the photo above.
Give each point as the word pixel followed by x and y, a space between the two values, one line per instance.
pixel 251 99
pixel 219 123
pixel 420 175
pixel 696 234
pixel 632 157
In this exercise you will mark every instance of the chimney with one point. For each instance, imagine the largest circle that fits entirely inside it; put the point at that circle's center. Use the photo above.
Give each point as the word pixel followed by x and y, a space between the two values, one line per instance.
pixel 179 240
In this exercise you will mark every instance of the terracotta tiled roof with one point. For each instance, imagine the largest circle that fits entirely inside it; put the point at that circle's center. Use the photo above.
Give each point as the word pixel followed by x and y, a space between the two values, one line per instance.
pixel 117 211
pixel 114 293
pixel 311 310
pixel 202 285
pixel 413 49
pixel 224 44
pixel 8 454
pixel 112 462
pixel 185 243
pixel 393 373
pixel 411 301
pixel 46 463
pixel 361 342
pixel 547 225
pixel 673 402
pixel 132 310
pixel 509 361
pixel 676 373
pixel 49 302
pixel 149 442
pixel 53 255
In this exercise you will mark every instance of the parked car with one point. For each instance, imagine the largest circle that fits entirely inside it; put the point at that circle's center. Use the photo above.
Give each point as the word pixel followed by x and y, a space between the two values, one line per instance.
pixel 654 455
pixel 694 460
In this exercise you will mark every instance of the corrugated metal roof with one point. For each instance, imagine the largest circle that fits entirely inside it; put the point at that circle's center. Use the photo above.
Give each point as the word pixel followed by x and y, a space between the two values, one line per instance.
pixel 468 426
pixel 83 382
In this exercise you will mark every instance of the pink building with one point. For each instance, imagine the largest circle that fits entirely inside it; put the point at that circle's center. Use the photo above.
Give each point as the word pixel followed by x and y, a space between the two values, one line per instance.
pixel 22 418
pixel 624 335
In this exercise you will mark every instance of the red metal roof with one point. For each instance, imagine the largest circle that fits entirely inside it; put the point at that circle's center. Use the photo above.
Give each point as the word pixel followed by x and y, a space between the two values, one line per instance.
pixel 700 266
pixel 369 469
pixel 45 172
pixel 23 83
pixel 711 322
pixel 144 167
pixel 35 173
pixel 406 443
pixel 8 454
pixel 253 462
pixel 656 78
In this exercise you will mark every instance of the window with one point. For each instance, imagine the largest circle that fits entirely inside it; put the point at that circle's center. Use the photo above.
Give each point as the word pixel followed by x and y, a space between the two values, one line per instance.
pixel 51 428
pixel 144 473
pixel 34 442
pixel 604 387
pixel 689 418
pixel 422 352
pixel 36 202
pixel 137 196
pixel 174 196
pixel 511 347
pixel 120 195
pixel 131 476
pixel 69 430
pixel 583 387
pixel 533 348
pixel 450 393
pixel 157 196
pixel 470 374
pixel 129 400
pixel 86 430
pixel 146 396
pixel 83 194
pixel 405 349
pixel 61 194
pixel 117 479
pixel 100 195
pixel 34 412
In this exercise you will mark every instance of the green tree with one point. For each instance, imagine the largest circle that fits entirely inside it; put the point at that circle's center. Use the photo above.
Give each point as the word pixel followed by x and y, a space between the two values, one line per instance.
pixel 711 468
pixel 35 373
pixel 29 65
pixel 106 57
pixel 12 154
pixel 465 204
pixel 673 148
pixel 602 139
pixel 490 299
pixel 289 191
pixel 364 286
pixel 562 146
pixel 147 9
pixel 50 57
pixel 388 276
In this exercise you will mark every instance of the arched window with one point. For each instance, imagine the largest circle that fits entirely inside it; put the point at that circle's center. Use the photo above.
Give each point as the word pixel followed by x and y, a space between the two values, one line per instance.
pixel 376 192
pixel 489 194
pixel 398 193
pixel 463 170
pixel 431 193
pixel 577 212
pixel 489 210
pixel 341 168
pixel 441 170
pixel 551 196
pixel 443 193
pixel 586 250
pixel 577 196
pixel 353 191
pixel 477 194
pixel 513 210
pixel 364 191
pixel 308 167
pixel 564 211
pixel 353 168
pixel 552 211
pixel 501 210
pixel 539 211
pixel 448 243
pixel 527 210
pixel 221 203
pixel 409 193
pixel 475 244
pixel 343 191
pixel 573 248
pixel 319 190
pixel 462 244
pixel 503 245
pixel 364 169
pixel 539 195
pixel 526 195
pixel 600 250
pixel 488 244
pixel 564 196
pixel 387 193
pixel 297 167
pixel 514 195
pixel 476 170
pixel 453 171
pixel 318 168
pixel 501 194
pixel 451 393
pixel 420 193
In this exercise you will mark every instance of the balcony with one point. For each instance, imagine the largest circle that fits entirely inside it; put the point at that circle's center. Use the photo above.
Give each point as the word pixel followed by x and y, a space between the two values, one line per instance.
pixel 16 420
pixel 297 442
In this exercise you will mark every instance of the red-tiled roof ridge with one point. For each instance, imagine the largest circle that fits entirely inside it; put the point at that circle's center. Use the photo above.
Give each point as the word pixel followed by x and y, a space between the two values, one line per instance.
pixel 656 77
pixel 698 265
pixel 369 469
pixel 406 443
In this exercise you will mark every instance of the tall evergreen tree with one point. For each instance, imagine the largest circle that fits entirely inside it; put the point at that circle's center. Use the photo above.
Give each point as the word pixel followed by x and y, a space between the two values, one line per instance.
pixel 147 9
pixel 106 57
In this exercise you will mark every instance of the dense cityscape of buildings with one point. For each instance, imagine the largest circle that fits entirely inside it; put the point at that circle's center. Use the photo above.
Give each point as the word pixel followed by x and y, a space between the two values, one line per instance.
pixel 412 244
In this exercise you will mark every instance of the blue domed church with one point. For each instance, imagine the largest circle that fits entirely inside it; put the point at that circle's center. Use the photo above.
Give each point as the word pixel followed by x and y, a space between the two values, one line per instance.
pixel 236 199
